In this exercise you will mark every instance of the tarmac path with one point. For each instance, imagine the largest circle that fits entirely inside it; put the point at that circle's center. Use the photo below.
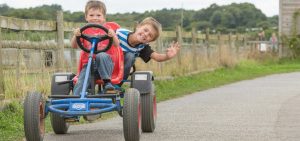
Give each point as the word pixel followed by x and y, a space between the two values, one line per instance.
pixel 261 109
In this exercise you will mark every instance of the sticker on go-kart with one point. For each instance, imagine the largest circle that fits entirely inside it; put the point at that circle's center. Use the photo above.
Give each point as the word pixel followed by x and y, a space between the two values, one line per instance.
pixel 78 106
pixel 140 77
pixel 61 78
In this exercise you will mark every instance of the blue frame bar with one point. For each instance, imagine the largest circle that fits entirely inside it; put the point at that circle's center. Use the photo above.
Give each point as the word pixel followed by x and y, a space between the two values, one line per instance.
pixel 74 100
pixel 88 68
pixel 62 106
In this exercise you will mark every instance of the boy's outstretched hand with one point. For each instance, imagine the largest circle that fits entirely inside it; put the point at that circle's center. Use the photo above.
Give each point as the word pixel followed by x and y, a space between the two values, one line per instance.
pixel 172 50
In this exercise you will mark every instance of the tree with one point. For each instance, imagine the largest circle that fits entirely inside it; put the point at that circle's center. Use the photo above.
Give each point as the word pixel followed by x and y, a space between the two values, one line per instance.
pixel 228 20
pixel 216 18
pixel 4 9
pixel 202 25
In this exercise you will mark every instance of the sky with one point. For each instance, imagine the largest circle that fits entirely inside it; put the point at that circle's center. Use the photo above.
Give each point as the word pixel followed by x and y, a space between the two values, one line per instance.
pixel 268 7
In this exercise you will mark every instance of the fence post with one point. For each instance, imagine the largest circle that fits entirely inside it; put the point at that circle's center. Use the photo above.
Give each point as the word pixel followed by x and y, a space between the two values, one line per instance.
pixel 179 40
pixel 42 62
pixel 60 41
pixel 159 47
pixel 230 40
pixel 194 49
pixel 230 51
pixel 244 41
pixel 2 90
pixel 18 68
pixel 2 96
pixel 280 48
pixel 220 46
pixel 207 43
pixel 73 60
pixel 237 47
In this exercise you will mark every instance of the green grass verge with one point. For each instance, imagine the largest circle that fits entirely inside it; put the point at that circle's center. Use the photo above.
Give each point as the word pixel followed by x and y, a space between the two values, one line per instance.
pixel 11 122
pixel 11 119
pixel 184 85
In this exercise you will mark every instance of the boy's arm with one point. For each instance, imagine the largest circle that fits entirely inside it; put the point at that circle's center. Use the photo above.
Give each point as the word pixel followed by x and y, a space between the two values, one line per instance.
pixel 116 41
pixel 170 53
pixel 73 40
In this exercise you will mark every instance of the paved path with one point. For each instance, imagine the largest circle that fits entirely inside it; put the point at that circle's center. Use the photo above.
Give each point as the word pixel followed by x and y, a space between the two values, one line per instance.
pixel 262 109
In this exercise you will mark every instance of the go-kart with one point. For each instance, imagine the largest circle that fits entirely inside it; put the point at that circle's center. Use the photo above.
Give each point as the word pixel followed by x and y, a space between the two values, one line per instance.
pixel 136 104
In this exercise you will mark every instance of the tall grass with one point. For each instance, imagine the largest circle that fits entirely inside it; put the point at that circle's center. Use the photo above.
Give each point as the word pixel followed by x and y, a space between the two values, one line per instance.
pixel 17 87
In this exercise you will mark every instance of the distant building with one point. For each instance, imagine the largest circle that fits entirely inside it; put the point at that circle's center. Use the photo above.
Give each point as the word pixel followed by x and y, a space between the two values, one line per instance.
pixel 287 8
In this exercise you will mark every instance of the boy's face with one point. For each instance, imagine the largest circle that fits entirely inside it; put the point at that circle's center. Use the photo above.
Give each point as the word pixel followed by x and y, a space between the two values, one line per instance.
pixel 145 33
pixel 95 16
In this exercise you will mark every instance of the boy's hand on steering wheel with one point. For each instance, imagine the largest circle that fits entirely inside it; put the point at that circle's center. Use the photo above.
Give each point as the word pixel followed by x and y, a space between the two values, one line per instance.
pixel 111 33
pixel 76 32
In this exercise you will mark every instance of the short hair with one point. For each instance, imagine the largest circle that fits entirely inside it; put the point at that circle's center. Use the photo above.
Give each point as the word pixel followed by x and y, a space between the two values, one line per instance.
pixel 154 23
pixel 95 4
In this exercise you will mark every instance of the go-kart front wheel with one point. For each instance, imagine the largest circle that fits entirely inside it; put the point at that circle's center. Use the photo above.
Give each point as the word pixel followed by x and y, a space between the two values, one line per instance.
pixel 34 117
pixel 132 115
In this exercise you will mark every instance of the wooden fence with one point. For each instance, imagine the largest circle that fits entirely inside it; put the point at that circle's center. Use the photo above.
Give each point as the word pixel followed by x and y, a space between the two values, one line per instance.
pixel 196 47
pixel 1 73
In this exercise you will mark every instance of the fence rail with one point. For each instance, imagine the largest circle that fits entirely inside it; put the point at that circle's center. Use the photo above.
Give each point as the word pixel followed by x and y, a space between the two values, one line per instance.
pixel 34 25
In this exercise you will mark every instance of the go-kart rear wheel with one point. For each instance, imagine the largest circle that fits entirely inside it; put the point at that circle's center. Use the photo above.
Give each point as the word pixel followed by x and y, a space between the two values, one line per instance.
pixel 58 123
pixel 34 117
pixel 132 115
pixel 149 112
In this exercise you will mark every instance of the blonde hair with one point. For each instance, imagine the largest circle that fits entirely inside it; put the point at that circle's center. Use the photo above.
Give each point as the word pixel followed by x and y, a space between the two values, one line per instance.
pixel 95 4
pixel 154 23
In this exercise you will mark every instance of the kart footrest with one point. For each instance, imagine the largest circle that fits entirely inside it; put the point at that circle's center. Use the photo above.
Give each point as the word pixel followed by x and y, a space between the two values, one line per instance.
pixel 102 96
pixel 64 96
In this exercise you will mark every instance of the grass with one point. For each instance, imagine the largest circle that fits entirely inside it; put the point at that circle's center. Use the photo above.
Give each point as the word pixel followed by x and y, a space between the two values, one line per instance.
pixel 11 122
pixel 11 119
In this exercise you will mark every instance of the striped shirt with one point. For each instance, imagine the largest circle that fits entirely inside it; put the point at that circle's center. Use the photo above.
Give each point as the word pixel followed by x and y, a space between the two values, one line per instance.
pixel 123 37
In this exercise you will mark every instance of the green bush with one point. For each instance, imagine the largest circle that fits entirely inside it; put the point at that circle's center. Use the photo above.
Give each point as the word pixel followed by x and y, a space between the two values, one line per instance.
pixel 294 44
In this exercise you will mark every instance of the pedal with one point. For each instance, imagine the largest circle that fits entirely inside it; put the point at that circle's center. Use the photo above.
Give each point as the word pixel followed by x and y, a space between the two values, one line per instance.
pixel 110 91
pixel 71 120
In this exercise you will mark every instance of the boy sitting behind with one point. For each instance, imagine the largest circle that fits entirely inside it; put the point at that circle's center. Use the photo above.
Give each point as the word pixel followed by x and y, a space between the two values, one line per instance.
pixel 136 44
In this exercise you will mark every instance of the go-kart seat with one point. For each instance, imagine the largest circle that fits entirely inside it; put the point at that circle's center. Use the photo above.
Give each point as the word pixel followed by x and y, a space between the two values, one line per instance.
pixel 115 53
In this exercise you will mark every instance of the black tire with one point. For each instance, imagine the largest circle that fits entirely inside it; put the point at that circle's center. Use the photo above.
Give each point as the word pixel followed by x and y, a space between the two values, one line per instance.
pixel 58 123
pixel 132 115
pixel 34 117
pixel 149 111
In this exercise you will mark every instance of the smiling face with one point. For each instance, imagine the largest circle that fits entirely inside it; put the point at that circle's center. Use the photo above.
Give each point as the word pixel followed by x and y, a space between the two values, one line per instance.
pixel 145 33
pixel 95 16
